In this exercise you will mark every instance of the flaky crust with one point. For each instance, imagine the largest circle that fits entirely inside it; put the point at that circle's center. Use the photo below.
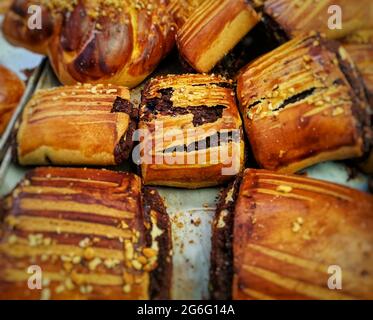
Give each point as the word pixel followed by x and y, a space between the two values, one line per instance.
pixel 11 91
pixel 87 230
pixel 213 30
pixel 191 108
pixel 288 231
pixel 77 125
pixel 304 103
pixel 296 17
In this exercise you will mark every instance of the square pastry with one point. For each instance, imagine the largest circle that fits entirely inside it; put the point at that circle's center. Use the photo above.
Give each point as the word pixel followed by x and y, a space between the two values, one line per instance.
pixel 191 131
pixel 77 125
pixel 304 103
pixel 70 233
pixel 279 236
pixel 213 30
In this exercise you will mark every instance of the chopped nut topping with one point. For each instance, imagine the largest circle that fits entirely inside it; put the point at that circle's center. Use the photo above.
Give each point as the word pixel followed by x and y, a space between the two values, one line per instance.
pixel 136 264
pixel 89 253
pixel 149 252
pixel 94 263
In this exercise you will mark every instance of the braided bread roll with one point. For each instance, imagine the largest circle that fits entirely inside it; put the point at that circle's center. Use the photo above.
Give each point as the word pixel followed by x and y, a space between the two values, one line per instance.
pixel 97 41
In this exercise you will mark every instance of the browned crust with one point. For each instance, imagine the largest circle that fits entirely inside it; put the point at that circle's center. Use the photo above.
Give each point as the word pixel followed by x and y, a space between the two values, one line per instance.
pixel 16 31
pixel 213 30
pixel 77 125
pixel 141 41
pixel 58 214
pixel 289 229
pixel 11 91
pixel 296 18
pixel 288 111
pixel 201 104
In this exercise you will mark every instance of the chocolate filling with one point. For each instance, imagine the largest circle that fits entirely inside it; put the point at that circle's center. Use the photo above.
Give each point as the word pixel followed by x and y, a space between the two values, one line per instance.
pixel 216 140
pixel 296 98
pixel 124 146
pixel 160 282
pixel 274 30
pixel 201 114
pixel 221 269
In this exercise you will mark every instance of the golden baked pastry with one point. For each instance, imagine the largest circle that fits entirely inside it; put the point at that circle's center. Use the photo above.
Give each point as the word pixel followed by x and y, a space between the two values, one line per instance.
pixel 304 103
pixel 192 135
pixel 16 25
pixel 117 42
pixel 92 234
pixel 97 41
pixel 291 18
pixel 11 92
pixel 213 30
pixel 77 125
pixel 293 237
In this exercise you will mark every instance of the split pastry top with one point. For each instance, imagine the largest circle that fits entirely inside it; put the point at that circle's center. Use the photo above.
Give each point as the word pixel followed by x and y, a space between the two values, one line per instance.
pixel 304 103
pixel 11 91
pixel 192 131
pixel 213 30
pixel 96 41
pixel 77 125
pixel 91 232
pixel 293 238
pixel 291 18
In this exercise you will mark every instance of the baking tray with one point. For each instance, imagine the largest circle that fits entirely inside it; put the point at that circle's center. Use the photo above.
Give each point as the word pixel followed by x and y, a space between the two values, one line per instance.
pixel 191 211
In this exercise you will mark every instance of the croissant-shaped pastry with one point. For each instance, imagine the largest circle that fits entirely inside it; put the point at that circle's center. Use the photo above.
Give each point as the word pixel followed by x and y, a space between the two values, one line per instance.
pixel 77 125
pixel 290 18
pixel 304 103
pixel 213 30
pixel 191 128
pixel 91 233
pixel 99 41
pixel 291 237
pixel 11 91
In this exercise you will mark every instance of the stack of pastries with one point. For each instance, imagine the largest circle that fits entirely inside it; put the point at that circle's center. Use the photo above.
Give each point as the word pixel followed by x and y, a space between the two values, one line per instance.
pixel 100 232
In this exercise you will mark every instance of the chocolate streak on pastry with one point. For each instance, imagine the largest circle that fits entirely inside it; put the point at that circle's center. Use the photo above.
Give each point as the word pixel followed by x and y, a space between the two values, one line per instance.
pixel 208 142
pixel 164 106
pixel 162 276
pixel 124 147
pixel 221 269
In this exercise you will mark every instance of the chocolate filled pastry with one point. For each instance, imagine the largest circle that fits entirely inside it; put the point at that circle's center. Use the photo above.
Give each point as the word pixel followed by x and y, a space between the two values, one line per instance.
pixel 77 125
pixel 11 91
pixel 291 237
pixel 89 233
pixel 304 103
pixel 336 19
pixel 99 41
pixel 213 30
pixel 191 131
